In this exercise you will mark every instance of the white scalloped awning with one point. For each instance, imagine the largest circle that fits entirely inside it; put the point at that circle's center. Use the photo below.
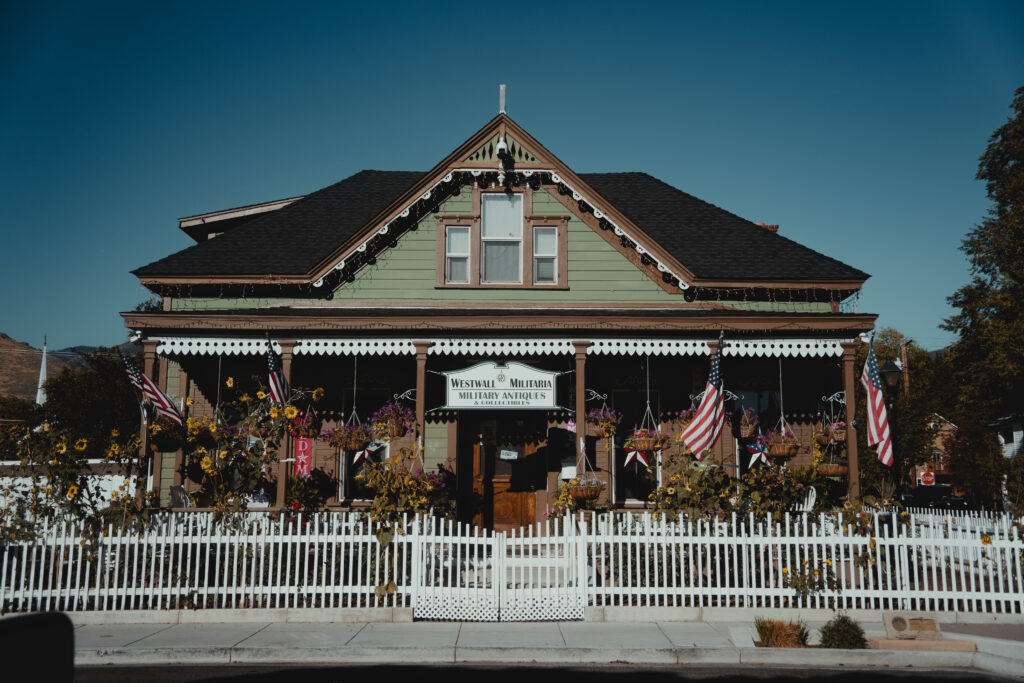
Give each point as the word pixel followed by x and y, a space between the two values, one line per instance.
pixel 200 346
pixel 392 346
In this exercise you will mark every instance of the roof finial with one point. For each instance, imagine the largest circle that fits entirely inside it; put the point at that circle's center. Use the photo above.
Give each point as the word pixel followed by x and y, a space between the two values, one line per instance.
pixel 501 98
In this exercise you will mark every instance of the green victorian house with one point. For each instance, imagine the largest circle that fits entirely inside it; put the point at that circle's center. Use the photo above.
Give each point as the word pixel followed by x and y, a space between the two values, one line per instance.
pixel 504 296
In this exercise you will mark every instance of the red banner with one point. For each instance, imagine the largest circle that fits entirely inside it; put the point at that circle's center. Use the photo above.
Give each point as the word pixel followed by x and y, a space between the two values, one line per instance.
pixel 303 466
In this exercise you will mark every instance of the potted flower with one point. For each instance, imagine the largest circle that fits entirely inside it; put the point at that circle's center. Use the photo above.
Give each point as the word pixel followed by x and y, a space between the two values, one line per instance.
pixel 748 423
pixel 643 439
pixel 605 420
pixel 392 420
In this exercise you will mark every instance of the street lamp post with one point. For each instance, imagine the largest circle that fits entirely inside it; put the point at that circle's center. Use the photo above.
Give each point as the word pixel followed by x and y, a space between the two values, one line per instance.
pixel 891 374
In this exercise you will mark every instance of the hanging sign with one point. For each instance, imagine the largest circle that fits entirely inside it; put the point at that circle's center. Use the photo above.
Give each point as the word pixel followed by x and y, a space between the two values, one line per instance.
pixel 303 466
pixel 491 385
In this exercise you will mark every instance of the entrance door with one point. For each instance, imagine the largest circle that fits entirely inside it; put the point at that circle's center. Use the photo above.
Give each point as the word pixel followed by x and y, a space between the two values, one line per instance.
pixel 507 469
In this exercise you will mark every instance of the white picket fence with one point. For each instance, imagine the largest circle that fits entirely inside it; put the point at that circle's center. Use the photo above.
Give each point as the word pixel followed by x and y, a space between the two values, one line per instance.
pixel 445 570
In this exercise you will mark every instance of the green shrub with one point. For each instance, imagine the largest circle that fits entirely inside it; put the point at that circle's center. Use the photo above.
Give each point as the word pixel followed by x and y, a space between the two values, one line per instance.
pixel 774 633
pixel 843 632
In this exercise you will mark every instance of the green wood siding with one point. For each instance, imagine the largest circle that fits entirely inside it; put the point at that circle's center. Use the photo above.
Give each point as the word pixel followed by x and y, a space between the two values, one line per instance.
pixel 596 271
pixel 435 445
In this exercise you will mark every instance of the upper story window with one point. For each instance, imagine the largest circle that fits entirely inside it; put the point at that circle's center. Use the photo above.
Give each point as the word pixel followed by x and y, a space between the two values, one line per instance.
pixel 502 245
pixel 501 238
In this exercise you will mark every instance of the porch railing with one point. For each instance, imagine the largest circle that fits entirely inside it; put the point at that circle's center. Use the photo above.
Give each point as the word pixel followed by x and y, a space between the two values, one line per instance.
pixel 334 560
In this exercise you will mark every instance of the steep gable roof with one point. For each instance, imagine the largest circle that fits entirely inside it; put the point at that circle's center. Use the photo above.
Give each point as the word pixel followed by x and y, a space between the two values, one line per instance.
pixel 306 235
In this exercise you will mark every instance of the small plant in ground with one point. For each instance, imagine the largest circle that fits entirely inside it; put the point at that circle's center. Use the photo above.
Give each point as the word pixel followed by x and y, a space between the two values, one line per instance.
pixel 775 633
pixel 843 632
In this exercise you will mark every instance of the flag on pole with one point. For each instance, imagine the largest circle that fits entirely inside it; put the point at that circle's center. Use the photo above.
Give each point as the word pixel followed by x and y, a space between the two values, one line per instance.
pixel 878 420
pixel 278 384
pixel 702 433
pixel 152 393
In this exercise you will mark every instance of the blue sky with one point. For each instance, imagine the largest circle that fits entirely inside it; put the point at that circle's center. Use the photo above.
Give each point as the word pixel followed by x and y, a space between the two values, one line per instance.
pixel 856 127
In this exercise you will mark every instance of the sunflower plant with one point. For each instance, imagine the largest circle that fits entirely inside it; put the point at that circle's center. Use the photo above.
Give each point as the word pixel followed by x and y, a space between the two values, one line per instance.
pixel 229 456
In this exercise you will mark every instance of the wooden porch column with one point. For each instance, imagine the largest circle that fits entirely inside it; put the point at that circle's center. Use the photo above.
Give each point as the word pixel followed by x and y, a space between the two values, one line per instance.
pixel 148 365
pixel 581 397
pixel 849 355
pixel 183 393
pixel 282 467
pixel 421 389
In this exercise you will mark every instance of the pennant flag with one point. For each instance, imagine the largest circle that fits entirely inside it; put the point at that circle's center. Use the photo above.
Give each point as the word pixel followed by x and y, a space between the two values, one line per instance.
pixel 878 420
pixel 278 385
pixel 702 433
pixel 152 393
pixel 757 453
pixel 633 454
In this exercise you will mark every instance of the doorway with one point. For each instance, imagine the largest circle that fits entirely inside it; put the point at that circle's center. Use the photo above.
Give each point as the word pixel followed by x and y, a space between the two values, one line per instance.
pixel 501 466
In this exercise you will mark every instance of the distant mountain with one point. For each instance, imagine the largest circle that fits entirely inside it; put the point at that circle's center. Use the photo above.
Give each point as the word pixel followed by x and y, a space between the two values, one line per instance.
pixel 19 364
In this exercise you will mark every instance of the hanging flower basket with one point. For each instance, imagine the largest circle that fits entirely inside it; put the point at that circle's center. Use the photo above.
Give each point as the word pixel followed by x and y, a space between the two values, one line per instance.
pixel 833 470
pixel 354 437
pixel 823 438
pixel 392 421
pixel 748 423
pixel 165 436
pixel 838 432
pixel 586 490
pixel 605 421
pixel 781 443
pixel 647 440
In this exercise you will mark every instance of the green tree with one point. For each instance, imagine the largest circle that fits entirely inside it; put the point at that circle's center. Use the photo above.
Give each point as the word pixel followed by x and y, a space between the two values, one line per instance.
pixel 977 465
pixel 93 403
pixel 989 356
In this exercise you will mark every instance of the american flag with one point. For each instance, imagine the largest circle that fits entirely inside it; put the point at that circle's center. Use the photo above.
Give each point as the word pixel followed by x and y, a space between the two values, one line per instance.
pixel 703 432
pixel 278 384
pixel 152 393
pixel 878 420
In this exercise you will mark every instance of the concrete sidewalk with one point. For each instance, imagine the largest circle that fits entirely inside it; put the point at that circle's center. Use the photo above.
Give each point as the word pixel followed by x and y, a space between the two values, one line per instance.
pixel 1000 650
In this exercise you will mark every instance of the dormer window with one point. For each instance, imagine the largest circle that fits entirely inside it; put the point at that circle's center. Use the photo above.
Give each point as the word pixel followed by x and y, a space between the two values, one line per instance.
pixel 502 245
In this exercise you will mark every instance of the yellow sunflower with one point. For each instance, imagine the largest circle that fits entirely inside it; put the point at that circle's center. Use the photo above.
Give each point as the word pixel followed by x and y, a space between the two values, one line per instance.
pixel 72 492
pixel 188 400
pixel 81 445
pixel 114 433
pixel 230 383
pixel 291 412
pixel 261 395
pixel 318 393
pixel 986 540
pixel 275 413
pixel 61 447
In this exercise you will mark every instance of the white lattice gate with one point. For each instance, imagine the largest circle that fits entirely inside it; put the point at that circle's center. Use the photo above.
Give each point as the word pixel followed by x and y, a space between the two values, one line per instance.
pixel 468 574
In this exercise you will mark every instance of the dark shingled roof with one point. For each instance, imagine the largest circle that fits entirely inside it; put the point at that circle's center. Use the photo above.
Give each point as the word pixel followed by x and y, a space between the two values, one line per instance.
pixel 710 241
pixel 293 239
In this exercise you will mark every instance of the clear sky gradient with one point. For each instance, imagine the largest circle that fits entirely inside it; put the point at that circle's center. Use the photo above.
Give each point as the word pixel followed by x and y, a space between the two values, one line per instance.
pixel 855 126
